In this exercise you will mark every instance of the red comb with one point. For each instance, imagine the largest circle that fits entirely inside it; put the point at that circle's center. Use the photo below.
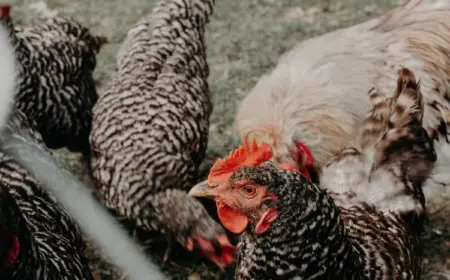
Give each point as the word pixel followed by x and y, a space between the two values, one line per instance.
pixel 245 155
pixel 5 10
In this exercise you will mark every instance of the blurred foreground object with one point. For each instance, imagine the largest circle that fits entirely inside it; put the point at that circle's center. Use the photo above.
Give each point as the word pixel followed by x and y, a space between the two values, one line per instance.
pixel 21 142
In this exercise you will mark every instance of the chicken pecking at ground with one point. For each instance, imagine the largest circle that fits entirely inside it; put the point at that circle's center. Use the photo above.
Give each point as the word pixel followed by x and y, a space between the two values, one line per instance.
pixel 312 103
pixel 363 222
pixel 56 87
pixel 150 129
pixel 39 240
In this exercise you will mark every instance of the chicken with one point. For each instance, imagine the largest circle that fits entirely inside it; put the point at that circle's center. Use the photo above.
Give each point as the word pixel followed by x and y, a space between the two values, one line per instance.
pixel 312 103
pixel 363 222
pixel 56 88
pixel 150 129
pixel 39 240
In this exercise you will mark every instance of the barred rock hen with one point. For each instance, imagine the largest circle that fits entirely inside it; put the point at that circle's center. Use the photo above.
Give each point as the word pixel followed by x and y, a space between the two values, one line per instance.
pixel 365 220
pixel 56 88
pixel 38 239
pixel 313 103
pixel 150 128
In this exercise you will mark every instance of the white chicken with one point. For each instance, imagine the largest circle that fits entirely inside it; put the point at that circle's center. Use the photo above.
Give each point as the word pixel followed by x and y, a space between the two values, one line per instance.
pixel 313 103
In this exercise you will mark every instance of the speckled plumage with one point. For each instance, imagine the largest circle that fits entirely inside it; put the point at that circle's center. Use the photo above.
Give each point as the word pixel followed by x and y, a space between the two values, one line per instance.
pixel 56 88
pixel 150 127
pixel 365 220
pixel 51 245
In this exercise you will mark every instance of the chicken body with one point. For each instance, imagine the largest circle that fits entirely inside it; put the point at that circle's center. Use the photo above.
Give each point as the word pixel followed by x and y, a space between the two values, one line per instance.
pixel 316 93
pixel 50 245
pixel 150 127
pixel 365 219
pixel 39 240
pixel 56 87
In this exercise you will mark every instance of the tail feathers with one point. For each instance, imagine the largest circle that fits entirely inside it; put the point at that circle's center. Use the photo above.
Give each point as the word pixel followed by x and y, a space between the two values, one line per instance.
pixel 403 109
pixel 408 109
pixel 376 122
pixel 394 130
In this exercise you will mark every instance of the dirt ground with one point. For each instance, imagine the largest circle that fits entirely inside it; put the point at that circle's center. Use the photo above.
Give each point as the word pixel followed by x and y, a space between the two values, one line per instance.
pixel 244 39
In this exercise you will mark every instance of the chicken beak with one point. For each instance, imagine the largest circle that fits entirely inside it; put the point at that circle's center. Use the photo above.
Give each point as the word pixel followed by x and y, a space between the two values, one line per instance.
pixel 202 190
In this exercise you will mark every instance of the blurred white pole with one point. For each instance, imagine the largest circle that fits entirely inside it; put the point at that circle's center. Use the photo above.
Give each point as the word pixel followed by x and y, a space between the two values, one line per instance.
pixel 73 195
pixel 8 72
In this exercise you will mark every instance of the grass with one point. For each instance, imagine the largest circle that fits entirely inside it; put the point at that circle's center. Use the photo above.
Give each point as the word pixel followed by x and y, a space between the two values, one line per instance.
pixel 244 39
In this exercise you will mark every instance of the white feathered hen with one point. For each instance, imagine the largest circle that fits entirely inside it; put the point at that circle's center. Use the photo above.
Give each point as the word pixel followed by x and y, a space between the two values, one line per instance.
pixel 315 98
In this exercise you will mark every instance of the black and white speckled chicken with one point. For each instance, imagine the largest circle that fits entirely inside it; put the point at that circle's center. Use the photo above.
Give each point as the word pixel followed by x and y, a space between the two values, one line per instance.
pixel 56 87
pixel 365 220
pixel 38 239
pixel 150 128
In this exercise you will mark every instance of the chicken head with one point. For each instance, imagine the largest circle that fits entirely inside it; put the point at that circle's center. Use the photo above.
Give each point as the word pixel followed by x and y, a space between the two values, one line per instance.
pixel 240 200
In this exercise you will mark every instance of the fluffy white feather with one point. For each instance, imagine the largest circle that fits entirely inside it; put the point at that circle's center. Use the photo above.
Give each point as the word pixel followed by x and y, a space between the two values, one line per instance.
pixel 317 92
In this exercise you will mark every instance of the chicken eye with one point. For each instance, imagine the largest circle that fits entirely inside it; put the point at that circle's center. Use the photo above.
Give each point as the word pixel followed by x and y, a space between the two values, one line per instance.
pixel 248 191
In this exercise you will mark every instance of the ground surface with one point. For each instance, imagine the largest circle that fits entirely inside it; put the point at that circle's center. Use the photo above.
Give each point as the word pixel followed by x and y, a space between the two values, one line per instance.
pixel 244 39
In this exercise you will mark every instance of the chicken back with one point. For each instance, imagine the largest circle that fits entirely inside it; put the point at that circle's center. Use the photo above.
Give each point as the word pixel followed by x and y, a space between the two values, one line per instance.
pixel 316 93
pixel 150 128
pixel 56 86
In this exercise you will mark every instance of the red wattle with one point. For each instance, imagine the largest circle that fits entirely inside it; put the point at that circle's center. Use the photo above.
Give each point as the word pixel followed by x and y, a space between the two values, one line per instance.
pixel 231 219
pixel 13 253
